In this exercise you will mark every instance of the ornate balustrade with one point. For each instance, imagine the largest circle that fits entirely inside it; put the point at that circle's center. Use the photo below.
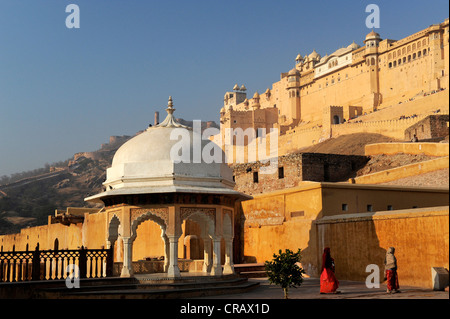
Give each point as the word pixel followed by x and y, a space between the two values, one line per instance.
pixel 55 264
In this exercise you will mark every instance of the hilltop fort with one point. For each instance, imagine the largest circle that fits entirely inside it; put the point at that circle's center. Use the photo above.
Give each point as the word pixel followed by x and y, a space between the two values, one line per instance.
pixel 383 86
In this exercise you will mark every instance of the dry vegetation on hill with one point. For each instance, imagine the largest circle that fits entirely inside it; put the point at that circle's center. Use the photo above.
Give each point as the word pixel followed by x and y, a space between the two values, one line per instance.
pixel 352 144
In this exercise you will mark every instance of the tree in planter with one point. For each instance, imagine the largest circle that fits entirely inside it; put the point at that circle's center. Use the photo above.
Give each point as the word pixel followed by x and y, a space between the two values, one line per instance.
pixel 284 271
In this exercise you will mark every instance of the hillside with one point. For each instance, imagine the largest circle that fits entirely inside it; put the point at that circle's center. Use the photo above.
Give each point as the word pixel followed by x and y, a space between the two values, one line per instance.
pixel 352 144
pixel 29 201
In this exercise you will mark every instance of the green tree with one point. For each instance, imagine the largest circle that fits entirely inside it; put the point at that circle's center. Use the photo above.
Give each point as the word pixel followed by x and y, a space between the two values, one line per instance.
pixel 284 271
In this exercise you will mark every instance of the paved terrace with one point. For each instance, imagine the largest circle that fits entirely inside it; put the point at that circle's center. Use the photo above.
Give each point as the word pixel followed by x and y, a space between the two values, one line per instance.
pixel 349 290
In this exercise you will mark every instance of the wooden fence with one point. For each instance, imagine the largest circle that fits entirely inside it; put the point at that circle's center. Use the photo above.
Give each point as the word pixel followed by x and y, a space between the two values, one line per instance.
pixel 55 264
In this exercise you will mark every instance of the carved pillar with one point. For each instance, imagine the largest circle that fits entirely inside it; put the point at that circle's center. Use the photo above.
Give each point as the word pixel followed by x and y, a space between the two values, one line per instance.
pixel 127 269
pixel 228 268
pixel 173 233
pixel 217 264
pixel 207 260
pixel 166 249
pixel 217 237
pixel 173 270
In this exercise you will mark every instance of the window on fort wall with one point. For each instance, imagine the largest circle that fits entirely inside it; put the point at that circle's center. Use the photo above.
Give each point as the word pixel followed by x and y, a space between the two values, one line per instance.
pixel 389 207
pixel 255 177
pixel 280 172
pixel 369 208
pixel 344 207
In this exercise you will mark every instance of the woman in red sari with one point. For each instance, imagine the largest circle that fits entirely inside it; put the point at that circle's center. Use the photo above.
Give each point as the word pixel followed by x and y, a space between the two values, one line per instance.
pixel 328 281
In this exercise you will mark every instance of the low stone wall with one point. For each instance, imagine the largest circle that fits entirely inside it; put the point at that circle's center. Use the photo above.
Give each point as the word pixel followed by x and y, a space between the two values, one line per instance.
pixel 431 149
pixel 402 172
pixel 420 238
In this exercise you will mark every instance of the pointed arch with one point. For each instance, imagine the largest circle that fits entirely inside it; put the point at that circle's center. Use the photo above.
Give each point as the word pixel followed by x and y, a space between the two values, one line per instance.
pixel 157 215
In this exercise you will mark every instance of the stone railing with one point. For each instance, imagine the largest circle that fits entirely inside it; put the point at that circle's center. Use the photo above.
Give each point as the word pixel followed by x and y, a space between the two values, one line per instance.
pixel 16 266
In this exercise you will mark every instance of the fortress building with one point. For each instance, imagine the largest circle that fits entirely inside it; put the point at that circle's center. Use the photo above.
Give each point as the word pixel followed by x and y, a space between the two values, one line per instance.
pixel 321 92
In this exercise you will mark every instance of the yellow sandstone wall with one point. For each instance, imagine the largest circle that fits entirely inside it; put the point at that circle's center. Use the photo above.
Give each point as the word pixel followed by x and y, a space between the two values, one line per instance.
pixel 276 222
pixel 432 149
pixel 287 219
pixel 94 230
pixel 69 237
pixel 402 172
pixel 420 237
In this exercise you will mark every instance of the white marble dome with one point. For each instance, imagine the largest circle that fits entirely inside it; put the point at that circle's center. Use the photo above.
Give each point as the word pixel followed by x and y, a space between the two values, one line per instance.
pixel 167 158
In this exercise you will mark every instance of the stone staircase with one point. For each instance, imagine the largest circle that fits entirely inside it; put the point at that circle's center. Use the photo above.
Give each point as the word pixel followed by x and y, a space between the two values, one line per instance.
pixel 254 270
pixel 149 287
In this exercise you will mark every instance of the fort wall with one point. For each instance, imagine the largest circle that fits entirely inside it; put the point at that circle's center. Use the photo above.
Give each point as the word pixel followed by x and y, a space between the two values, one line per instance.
pixel 365 237
pixel 402 172
pixel 431 149
pixel 307 217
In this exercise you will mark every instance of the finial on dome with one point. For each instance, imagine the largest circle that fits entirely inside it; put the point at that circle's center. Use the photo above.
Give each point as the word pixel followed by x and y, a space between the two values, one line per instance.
pixel 170 108
pixel 170 120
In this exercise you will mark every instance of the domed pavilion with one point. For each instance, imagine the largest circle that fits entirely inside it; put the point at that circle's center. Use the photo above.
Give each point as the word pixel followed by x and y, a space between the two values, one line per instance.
pixel 161 175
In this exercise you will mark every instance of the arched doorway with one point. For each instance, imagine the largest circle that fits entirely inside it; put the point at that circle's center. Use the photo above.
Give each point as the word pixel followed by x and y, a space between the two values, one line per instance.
pixel 205 219
pixel 336 119
pixel 149 240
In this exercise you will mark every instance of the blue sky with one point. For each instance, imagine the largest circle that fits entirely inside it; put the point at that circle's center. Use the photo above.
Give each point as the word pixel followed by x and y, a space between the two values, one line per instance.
pixel 64 90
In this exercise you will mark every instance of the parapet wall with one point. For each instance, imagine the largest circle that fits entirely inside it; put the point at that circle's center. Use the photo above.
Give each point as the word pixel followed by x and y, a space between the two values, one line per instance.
pixel 90 155
pixel 391 128
pixel 431 149
pixel 402 172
